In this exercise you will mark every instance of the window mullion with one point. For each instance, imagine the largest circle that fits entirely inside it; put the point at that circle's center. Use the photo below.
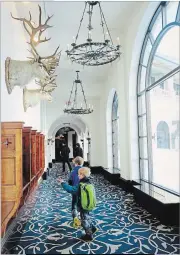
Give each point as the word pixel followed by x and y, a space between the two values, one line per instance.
pixel 164 16
pixel 178 14
pixel 151 38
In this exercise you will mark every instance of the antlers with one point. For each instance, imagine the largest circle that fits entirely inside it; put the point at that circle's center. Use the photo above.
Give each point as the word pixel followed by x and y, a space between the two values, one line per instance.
pixel 32 31
pixel 47 85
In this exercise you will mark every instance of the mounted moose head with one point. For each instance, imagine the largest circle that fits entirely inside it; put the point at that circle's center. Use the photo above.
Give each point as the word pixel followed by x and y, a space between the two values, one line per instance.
pixel 20 73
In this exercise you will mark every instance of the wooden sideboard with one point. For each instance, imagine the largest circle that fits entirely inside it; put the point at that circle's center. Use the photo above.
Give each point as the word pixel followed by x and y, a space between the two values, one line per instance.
pixel 22 164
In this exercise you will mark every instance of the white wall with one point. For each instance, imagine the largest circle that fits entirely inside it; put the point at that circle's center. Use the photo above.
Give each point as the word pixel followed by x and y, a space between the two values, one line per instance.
pixel 13 45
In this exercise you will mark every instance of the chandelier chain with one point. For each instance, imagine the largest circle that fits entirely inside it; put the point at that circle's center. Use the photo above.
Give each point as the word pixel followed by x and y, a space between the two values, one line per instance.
pixel 75 97
pixel 80 23
pixel 102 23
pixel 105 22
pixel 71 94
pixel 84 95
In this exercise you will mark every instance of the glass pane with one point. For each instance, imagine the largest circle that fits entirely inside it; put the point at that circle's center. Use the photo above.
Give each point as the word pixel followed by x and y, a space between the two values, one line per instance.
pixel 141 104
pixel 147 52
pixel 171 11
pixel 143 147
pixel 165 124
pixel 142 79
pixel 142 126
pixel 157 27
pixel 144 169
pixel 166 57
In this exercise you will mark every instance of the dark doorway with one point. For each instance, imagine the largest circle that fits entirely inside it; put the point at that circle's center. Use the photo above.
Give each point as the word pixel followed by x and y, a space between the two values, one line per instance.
pixel 61 137
pixel 74 141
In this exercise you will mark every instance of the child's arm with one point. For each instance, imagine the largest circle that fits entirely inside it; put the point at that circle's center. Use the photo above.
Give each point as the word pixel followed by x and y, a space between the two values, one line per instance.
pixel 68 188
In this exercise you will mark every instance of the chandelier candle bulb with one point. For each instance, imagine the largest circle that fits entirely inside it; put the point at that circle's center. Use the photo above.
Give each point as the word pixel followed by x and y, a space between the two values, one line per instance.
pixel 81 105
pixel 74 39
pixel 118 41
pixel 89 34
pixel 107 35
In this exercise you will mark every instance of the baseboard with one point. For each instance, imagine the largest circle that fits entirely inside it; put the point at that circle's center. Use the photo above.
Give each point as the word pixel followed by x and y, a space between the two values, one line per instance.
pixel 168 214
pixel 113 178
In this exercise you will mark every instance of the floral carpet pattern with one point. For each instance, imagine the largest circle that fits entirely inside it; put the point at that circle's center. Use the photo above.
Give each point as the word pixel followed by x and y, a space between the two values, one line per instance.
pixel 44 225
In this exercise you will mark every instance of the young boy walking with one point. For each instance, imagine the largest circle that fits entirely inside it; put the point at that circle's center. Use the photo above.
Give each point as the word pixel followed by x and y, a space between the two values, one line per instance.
pixel 86 201
pixel 73 181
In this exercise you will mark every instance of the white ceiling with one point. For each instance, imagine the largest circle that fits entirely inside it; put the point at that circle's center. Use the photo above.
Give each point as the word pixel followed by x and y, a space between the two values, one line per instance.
pixel 65 24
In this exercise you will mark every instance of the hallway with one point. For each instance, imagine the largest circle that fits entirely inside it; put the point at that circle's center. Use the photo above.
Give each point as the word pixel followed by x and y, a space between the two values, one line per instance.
pixel 44 224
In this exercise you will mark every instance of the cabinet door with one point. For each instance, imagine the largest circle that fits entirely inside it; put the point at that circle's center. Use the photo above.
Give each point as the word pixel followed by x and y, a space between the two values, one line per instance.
pixel 11 170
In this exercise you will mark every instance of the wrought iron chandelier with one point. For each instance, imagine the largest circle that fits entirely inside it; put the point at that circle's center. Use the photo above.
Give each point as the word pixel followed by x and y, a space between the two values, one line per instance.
pixel 72 106
pixel 94 53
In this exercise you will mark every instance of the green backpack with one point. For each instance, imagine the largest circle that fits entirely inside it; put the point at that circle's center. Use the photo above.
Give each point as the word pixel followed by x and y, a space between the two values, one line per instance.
pixel 88 196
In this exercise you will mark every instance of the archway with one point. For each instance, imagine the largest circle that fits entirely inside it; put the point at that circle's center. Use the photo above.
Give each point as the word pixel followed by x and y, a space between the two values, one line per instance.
pixel 77 125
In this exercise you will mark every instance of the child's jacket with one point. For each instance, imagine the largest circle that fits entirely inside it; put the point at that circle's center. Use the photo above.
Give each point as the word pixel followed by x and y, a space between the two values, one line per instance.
pixel 73 178
pixel 75 190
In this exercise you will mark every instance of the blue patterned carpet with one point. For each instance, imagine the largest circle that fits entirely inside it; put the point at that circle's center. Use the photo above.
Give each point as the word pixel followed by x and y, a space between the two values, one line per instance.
pixel 44 224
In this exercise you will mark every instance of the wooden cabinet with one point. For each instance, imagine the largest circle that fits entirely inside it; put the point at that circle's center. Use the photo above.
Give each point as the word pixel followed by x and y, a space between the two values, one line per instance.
pixel 26 155
pixel 11 170
pixel 22 164
pixel 37 152
pixel 33 153
pixel 43 152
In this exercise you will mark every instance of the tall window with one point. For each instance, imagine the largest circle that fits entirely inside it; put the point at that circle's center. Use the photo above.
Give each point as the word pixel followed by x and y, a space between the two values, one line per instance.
pixel 158 98
pixel 115 146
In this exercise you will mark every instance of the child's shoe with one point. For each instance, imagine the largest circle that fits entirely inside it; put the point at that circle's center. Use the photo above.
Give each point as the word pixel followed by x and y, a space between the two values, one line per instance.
pixel 76 222
pixel 86 238
pixel 94 229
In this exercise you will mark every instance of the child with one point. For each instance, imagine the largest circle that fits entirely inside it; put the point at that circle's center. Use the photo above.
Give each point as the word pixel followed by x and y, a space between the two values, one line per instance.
pixel 84 174
pixel 73 181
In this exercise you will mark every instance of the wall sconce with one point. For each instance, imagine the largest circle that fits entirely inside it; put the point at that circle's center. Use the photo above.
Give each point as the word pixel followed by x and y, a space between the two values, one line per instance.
pixel 89 140
pixel 50 140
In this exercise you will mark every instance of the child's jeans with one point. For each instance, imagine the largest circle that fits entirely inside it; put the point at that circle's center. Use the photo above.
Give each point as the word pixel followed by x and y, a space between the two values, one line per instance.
pixel 74 206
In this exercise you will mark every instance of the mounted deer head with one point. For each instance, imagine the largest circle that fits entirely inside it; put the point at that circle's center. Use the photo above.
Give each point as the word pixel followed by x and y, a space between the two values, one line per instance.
pixel 20 73
pixel 32 97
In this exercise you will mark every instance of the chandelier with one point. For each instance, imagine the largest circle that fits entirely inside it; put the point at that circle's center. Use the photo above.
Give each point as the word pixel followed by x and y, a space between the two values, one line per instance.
pixel 92 53
pixel 73 106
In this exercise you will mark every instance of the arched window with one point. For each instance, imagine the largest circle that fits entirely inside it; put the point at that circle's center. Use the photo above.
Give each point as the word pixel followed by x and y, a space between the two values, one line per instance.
pixel 115 145
pixel 158 83
pixel 163 135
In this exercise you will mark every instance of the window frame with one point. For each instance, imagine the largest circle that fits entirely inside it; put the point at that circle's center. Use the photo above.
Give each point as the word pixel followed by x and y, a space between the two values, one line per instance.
pixel 148 85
